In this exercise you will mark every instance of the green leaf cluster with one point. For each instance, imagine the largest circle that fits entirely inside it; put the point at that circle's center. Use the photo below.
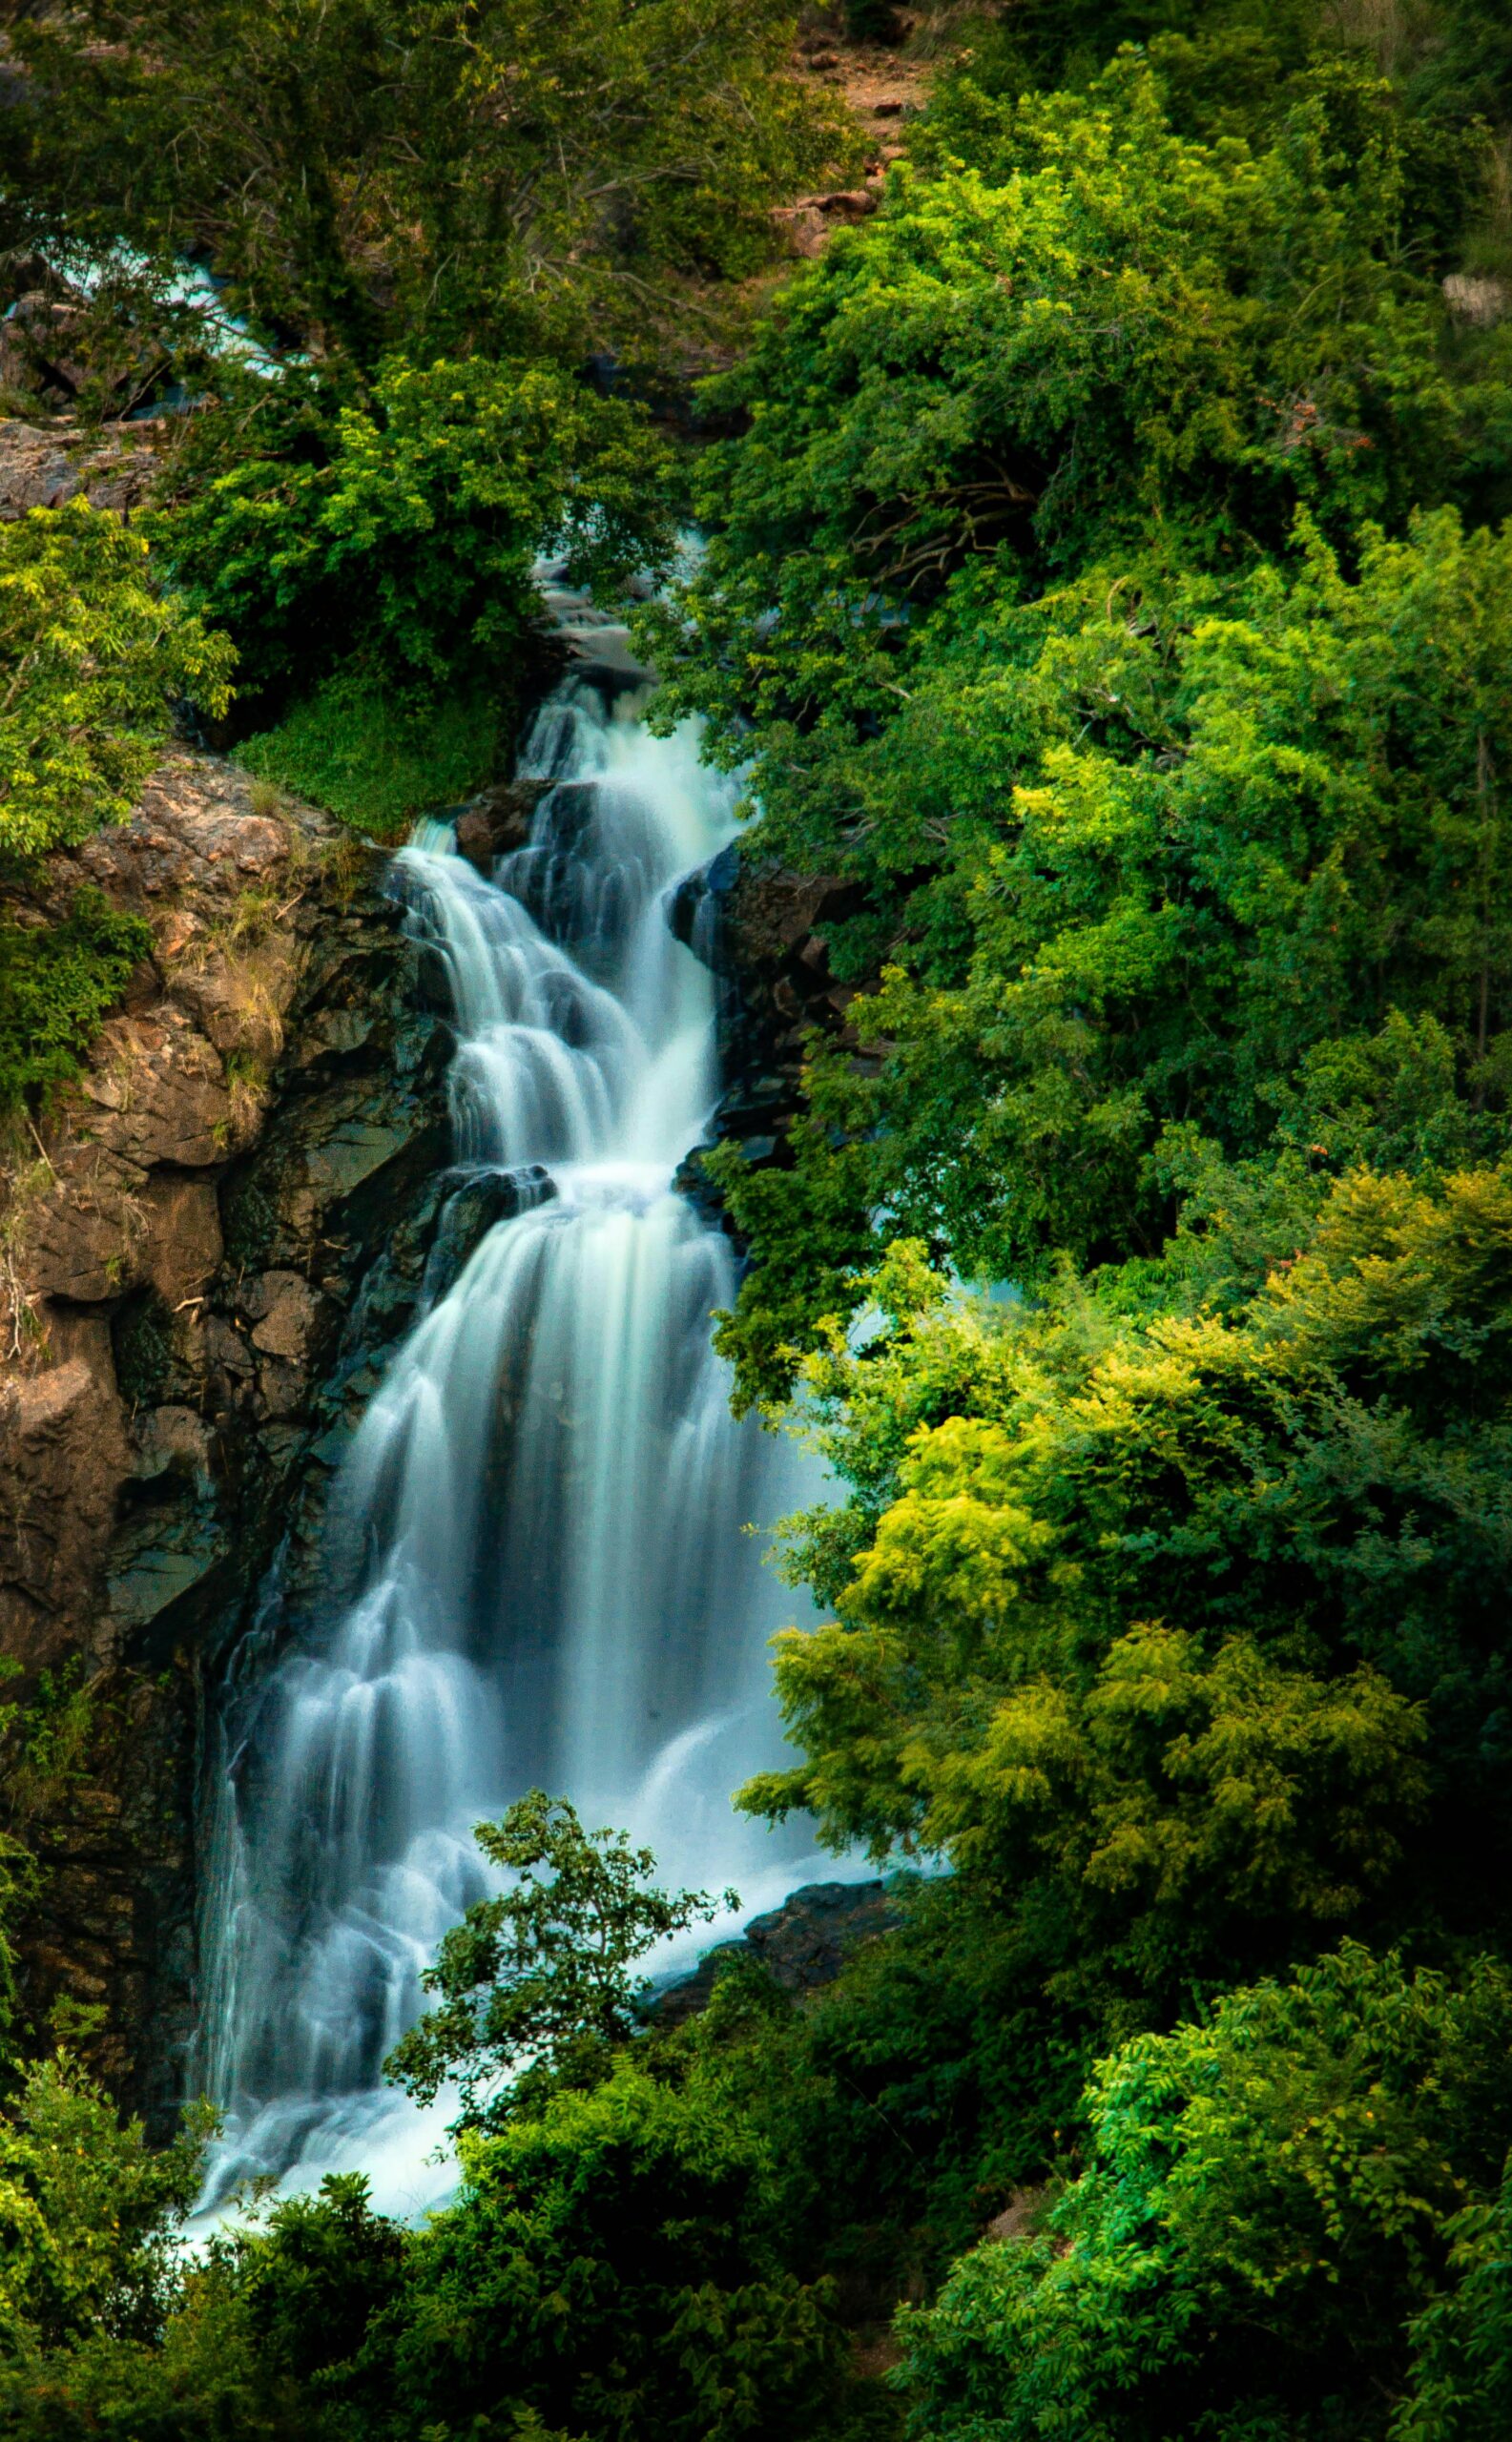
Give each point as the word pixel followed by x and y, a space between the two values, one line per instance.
pixel 1031 358
pixel 1180 1632
pixel 611 2269
pixel 93 656
pixel 401 533
pixel 1271 2196
pixel 1195 870
pixel 537 1979
pixel 499 176
pixel 375 759
pixel 1089 584
pixel 57 982
pixel 88 2211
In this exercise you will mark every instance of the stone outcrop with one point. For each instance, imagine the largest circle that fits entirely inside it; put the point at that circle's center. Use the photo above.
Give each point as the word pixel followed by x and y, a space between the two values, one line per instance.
pixel 496 821
pixel 42 465
pixel 213 1233
pixel 763 930
pixel 802 1945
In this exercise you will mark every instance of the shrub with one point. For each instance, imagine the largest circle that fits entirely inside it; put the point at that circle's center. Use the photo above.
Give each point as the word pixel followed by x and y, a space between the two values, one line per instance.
pixel 403 532
pixel 93 658
pixel 56 983
pixel 609 2268
pixel 373 761
pixel 1270 2196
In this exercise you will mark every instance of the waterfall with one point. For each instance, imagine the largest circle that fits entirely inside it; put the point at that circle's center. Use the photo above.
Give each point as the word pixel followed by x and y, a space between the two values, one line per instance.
pixel 538 1545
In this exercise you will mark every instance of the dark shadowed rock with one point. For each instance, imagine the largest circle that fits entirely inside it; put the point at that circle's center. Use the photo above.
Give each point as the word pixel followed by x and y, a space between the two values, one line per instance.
pixel 696 908
pixel 471 1210
pixel 763 931
pixel 806 1941
pixel 802 1945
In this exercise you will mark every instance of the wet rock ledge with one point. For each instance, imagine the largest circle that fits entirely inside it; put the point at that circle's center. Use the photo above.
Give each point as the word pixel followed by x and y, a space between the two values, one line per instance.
pixel 802 1945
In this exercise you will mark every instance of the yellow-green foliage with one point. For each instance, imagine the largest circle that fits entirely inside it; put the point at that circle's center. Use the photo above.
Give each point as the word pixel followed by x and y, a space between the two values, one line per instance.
pixel 1190 1620
pixel 85 2211
pixel 93 658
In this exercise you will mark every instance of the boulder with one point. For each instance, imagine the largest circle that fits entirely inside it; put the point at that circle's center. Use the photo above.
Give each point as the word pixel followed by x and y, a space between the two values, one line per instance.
pixel 290 1312
pixel 41 467
pixel 696 907
pixel 496 821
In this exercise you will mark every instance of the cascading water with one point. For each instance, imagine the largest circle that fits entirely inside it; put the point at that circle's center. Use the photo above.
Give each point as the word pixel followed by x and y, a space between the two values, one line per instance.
pixel 539 1534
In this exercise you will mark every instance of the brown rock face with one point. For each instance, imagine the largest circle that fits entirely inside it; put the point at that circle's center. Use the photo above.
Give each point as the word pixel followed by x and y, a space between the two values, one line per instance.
pixel 41 467
pixel 291 1311
pixel 178 1256
pixel 64 1452
pixel 497 821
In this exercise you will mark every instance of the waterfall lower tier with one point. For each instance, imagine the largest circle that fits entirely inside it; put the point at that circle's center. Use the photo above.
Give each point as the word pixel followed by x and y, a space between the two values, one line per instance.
pixel 540 1571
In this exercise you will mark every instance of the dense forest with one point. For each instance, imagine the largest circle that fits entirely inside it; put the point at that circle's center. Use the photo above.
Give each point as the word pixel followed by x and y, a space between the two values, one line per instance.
pixel 1105 577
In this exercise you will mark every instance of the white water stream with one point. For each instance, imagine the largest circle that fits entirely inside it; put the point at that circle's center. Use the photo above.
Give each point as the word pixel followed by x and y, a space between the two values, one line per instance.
pixel 541 1528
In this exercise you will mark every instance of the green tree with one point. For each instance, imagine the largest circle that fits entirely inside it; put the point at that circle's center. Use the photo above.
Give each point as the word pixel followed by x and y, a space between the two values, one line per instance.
pixel 1142 1619
pixel 90 2213
pixel 1462 2373
pixel 1053 596
pixel 1023 363
pixel 93 656
pixel 401 535
pixel 540 1977
pixel 356 171
pixel 611 2269
pixel 1270 2194
pixel 1216 870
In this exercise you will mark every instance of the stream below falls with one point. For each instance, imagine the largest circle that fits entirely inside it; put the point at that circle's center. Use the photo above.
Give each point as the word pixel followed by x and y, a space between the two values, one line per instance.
pixel 540 1568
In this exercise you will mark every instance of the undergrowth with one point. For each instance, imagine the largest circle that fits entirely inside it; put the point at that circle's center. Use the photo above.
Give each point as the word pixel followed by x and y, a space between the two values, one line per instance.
pixel 373 761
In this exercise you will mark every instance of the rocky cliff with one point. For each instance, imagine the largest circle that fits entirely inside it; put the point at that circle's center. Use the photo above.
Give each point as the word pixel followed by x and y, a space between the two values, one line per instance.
pixel 763 931
pixel 201 1251
pixel 207 1250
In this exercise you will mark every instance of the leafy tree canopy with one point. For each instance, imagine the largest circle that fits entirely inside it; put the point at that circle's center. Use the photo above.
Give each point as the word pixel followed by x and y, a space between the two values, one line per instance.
pixel 496 177
pixel 1027 359
pixel 57 982
pixel 93 656
pixel 1080 507
pixel 539 1978
pixel 611 2269
pixel 1181 1632
pixel 1186 870
pixel 401 534
pixel 1270 2196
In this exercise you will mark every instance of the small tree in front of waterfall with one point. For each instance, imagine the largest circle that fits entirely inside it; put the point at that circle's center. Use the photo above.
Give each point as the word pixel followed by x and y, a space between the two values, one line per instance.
pixel 538 1984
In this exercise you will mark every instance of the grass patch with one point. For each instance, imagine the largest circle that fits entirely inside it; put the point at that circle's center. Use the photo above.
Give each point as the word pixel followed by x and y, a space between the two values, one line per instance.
pixel 373 761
